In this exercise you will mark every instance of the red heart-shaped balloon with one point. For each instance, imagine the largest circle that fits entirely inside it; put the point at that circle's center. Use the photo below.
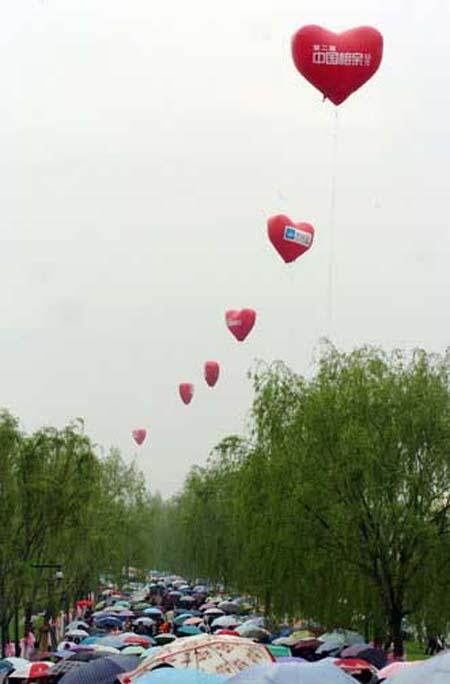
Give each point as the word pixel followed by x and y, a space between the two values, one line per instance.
pixel 240 323
pixel 186 390
pixel 139 435
pixel 337 64
pixel 290 239
pixel 212 370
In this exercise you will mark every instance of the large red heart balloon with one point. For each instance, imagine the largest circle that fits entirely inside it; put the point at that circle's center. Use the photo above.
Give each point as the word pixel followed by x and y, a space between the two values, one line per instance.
pixel 290 239
pixel 186 392
pixel 212 370
pixel 337 64
pixel 240 323
pixel 139 435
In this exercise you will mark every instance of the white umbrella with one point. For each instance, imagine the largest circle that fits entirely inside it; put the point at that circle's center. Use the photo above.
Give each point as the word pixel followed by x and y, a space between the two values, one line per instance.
pixel 215 654
pixel 225 621
pixel 214 611
pixel 32 671
pixel 78 633
pixel 433 671
pixel 77 624
pixel 17 663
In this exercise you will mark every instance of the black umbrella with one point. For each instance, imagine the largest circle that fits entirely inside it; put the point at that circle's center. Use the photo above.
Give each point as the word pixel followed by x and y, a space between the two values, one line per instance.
pixel 72 662
pixel 374 656
pixel 101 671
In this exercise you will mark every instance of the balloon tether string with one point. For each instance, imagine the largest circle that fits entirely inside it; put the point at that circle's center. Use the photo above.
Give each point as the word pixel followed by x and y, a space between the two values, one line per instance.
pixel 332 221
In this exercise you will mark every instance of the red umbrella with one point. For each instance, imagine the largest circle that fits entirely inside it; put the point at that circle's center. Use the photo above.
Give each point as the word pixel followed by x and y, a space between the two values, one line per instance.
pixel 355 666
pixel 230 632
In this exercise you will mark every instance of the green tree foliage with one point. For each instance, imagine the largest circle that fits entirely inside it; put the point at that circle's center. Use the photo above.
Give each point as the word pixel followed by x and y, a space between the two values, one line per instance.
pixel 337 504
pixel 61 503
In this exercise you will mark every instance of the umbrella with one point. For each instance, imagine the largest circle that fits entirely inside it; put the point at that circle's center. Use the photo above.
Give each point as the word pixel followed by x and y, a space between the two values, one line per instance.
pixel 230 632
pixel 355 666
pixel 374 656
pixel 73 661
pixel 187 600
pixel 344 636
pixel 279 651
pixel 333 644
pixel 150 651
pixel 229 606
pixel 216 654
pixel 77 633
pixel 253 632
pixel 109 621
pixel 68 645
pixel 293 673
pixel 17 663
pixel 148 622
pixel 133 650
pixel 100 648
pixel 153 611
pixel 433 671
pixel 179 620
pixel 164 639
pixel 126 613
pixel 226 621
pixel 112 641
pixel 353 651
pixel 193 621
pixel 214 611
pixel 258 621
pixel 207 606
pixel 101 671
pixel 171 675
pixel 393 668
pixel 5 668
pixel 32 671
pixel 188 630
pixel 77 624
pixel 136 639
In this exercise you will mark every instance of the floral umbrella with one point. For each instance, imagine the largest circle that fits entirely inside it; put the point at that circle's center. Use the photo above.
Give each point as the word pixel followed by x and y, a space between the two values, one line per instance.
pixel 215 654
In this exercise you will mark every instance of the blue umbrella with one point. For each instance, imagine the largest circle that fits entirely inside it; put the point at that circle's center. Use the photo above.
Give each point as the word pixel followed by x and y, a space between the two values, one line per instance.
pixel 90 640
pixel 188 630
pixel 109 622
pixel 291 673
pixel 112 641
pixel 171 675
pixel 101 671
pixel 153 611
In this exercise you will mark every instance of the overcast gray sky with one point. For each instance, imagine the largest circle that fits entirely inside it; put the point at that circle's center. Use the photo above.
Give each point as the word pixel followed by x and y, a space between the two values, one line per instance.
pixel 143 146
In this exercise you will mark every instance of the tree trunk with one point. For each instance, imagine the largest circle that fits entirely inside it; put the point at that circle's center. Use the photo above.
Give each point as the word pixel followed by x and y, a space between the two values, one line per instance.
pixel 16 630
pixel 397 634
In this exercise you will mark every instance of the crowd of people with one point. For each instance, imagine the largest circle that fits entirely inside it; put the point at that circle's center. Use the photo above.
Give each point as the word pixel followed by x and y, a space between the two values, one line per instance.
pixel 139 629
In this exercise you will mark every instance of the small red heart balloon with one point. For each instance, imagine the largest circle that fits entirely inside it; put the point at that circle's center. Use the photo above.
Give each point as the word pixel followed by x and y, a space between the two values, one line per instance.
pixel 186 390
pixel 139 435
pixel 212 370
pixel 240 323
pixel 337 64
pixel 290 239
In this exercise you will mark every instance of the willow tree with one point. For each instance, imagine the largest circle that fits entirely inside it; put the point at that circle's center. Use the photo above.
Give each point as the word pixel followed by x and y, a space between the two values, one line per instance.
pixel 365 448
pixel 337 504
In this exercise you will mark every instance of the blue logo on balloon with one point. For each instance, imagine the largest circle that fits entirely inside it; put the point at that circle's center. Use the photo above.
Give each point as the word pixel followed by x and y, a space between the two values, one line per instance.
pixel 289 233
